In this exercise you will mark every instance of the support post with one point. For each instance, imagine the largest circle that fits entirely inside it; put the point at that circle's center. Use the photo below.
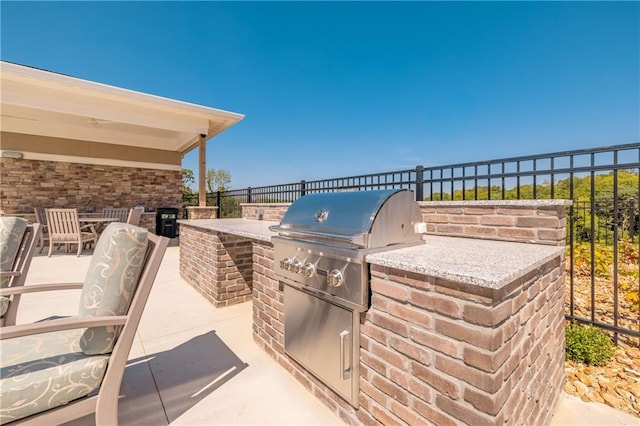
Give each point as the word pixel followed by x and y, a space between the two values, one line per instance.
pixel 420 183
pixel 202 172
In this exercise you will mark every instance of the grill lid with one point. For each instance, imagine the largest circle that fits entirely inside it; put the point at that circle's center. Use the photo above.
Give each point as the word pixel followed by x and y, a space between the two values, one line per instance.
pixel 362 219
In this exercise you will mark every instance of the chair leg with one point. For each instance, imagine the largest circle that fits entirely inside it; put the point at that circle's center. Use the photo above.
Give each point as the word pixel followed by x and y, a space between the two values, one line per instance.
pixel 50 248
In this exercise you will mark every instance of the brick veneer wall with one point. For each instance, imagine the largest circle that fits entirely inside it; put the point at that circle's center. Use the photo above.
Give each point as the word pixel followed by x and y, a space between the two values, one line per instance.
pixel 439 352
pixel 268 211
pixel 218 265
pixel 530 221
pixel 268 302
pixel 268 330
pixel 25 184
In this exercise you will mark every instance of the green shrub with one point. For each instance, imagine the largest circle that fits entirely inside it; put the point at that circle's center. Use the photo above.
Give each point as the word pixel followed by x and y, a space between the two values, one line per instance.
pixel 588 344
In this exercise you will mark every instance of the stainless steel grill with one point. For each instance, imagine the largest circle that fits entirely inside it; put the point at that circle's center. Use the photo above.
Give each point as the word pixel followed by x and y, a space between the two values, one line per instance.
pixel 320 257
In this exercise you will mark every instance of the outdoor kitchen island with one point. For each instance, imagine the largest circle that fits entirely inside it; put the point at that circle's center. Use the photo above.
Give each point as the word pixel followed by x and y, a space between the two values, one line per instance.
pixel 459 330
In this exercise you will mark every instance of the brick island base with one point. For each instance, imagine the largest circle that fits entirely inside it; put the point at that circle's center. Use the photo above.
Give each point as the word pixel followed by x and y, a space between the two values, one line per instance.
pixel 436 351
pixel 461 330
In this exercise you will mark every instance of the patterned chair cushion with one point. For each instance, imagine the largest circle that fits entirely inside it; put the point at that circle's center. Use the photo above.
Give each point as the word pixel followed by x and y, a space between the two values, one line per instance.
pixel 11 233
pixel 44 371
pixel 4 305
pixel 111 282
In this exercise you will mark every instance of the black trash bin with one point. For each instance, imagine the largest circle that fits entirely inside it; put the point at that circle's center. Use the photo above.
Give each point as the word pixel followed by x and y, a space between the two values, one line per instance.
pixel 167 221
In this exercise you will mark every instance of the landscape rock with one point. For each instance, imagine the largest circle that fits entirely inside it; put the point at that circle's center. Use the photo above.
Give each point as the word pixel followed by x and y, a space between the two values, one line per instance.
pixel 616 384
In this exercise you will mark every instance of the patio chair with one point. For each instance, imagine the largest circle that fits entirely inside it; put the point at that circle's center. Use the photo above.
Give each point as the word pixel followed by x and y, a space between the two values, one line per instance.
pixel 61 369
pixel 134 216
pixel 41 218
pixel 64 228
pixel 121 213
pixel 17 245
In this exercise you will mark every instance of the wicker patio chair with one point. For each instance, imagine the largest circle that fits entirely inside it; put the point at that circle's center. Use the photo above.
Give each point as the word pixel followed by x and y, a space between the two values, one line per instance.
pixel 17 245
pixel 58 370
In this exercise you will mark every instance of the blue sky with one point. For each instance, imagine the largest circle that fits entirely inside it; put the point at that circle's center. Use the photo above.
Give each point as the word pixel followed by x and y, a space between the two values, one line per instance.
pixel 335 89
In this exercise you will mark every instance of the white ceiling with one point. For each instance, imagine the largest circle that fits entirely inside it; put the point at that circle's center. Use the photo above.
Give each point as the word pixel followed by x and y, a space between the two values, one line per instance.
pixel 42 103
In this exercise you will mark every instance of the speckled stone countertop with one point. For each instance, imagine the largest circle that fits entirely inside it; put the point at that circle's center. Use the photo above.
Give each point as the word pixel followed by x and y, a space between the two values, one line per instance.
pixel 499 203
pixel 250 228
pixel 484 263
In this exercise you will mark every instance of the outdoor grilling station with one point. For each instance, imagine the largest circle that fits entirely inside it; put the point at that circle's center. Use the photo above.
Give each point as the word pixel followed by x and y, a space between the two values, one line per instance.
pixel 390 310
pixel 320 257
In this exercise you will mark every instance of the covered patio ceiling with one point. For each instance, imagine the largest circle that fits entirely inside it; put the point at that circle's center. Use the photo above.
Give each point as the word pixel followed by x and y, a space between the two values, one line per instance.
pixel 42 103
pixel 38 102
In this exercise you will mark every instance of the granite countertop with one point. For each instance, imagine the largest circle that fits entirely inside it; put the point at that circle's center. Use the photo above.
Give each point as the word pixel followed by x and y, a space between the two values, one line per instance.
pixel 250 228
pixel 499 203
pixel 484 263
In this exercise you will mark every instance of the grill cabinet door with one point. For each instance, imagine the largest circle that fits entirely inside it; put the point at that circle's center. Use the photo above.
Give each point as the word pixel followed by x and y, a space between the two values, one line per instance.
pixel 319 335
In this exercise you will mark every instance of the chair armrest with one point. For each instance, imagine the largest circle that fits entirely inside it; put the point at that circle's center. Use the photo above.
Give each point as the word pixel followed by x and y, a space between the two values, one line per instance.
pixel 10 273
pixel 89 226
pixel 35 288
pixel 13 331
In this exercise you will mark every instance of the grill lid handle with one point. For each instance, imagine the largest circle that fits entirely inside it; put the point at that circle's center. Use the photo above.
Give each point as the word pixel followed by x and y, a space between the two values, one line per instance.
pixel 359 239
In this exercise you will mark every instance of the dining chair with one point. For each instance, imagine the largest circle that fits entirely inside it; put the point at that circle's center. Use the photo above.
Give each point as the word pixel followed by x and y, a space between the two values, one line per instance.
pixel 41 218
pixel 61 369
pixel 17 246
pixel 116 213
pixel 134 216
pixel 64 228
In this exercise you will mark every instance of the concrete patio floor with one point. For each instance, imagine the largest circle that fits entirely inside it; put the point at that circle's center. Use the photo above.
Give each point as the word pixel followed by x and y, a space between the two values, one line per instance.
pixel 193 364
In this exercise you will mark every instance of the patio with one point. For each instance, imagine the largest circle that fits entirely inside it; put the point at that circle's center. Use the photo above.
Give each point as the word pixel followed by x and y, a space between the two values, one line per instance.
pixel 195 364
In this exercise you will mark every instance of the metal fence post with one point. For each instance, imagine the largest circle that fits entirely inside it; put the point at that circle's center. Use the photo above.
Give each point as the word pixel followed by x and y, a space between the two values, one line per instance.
pixel 632 219
pixel 303 187
pixel 419 183
pixel 248 194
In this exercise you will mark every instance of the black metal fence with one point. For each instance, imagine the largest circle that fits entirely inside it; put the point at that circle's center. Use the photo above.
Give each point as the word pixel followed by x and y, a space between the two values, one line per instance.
pixel 603 282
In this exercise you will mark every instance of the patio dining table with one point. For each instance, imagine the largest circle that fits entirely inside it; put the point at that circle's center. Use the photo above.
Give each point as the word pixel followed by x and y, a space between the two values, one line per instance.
pixel 99 222
pixel 97 219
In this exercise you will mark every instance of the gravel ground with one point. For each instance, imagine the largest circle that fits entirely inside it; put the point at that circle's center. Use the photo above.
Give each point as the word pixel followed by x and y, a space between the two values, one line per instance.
pixel 617 384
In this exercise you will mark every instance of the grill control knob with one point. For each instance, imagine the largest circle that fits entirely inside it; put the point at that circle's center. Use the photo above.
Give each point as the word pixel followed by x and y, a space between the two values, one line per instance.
pixel 286 263
pixel 297 266
pixel 309 269
pixel 334 278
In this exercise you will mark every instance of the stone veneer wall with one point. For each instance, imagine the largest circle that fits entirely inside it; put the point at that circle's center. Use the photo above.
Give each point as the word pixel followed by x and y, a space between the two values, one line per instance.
pixel 264 211
pixel 25 184
pixel 218 265
pixel 148 221
pixel 529 221
pixel 197 212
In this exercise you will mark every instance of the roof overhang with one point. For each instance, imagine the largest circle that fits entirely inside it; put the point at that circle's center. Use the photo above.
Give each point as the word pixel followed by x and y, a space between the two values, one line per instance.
pixel 43 103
